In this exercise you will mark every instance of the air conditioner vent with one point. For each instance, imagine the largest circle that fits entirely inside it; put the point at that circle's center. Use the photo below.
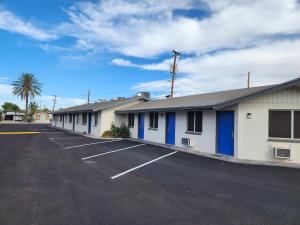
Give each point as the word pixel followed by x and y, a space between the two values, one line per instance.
pixel 186 141
pixel 282 153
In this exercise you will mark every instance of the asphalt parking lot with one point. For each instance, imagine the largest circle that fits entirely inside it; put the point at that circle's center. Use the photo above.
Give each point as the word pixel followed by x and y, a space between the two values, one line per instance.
pixel 57 178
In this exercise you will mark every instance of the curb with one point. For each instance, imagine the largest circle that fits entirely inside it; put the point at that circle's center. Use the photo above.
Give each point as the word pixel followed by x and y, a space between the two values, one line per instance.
pixel 220 157
pixel 197 153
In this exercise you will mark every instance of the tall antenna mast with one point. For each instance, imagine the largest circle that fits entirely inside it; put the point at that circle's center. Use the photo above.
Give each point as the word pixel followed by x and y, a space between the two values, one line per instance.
pixel 173 71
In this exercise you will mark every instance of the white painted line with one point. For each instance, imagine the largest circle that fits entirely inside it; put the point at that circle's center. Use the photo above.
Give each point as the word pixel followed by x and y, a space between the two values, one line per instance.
pixel 142 165
pixel 56 142
pixel 66 138
pixel 94 143
pixel 117 150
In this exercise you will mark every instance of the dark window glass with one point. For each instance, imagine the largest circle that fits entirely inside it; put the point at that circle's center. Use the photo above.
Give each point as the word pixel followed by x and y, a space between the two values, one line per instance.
pixel 60 118
pixel 153 120
pixel 297 124
pixel 198 124
pixel 280 124
pixel 156 120
pixel 70 118
pixel 96 118
pixel 191 121
pixel 84 118
pixel 130 120
pixel 77 118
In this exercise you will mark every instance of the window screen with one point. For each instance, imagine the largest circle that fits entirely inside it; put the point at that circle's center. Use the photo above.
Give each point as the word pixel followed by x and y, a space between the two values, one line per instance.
pixel 297 124
pixel 198 124
pixel 153 120
pixel 96 118
pixel 191 121
pixel 130 120
pixel 84 118
pixel 280 124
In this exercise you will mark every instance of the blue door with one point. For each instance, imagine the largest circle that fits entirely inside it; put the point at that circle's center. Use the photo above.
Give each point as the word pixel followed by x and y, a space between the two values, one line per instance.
pixel 90 123
pixel 170 128
pixel 141 126
pixel 225 135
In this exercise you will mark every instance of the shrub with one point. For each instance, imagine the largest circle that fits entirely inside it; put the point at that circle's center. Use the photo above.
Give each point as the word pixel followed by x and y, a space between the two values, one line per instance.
pixel 107 134
pixel 117 132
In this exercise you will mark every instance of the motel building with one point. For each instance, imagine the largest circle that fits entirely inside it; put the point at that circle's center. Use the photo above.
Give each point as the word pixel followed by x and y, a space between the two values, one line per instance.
pixel 257 123
pixel 95 118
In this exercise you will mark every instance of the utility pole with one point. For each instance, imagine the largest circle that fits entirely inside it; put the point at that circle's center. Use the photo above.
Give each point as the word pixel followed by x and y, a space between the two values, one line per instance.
pixel 248 80
pixel 89 93
pixel 173 71
pixel 54 102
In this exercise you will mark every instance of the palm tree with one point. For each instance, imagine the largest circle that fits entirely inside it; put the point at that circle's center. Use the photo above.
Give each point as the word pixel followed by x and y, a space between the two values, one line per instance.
pixel 27 86
pixel 33 108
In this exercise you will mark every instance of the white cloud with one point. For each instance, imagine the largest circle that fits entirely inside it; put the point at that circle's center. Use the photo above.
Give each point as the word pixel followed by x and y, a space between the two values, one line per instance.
pixel 3 78
pixel 269 63
pixel 15 24
pixel 44 100
pixel 149 28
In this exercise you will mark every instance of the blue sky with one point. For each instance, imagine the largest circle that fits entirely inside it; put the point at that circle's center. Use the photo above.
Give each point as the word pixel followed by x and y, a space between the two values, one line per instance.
pixel 118 47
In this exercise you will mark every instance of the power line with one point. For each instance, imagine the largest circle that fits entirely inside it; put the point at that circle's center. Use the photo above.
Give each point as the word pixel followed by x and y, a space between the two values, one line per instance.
pixel 188 85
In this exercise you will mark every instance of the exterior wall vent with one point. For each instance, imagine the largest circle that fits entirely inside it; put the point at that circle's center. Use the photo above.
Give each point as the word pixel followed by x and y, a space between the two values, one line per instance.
pixel 186 141
pixel 282 153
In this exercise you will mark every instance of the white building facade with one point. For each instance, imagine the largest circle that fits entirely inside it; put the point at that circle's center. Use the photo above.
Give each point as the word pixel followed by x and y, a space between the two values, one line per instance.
pixel 93 118
pixel 261 123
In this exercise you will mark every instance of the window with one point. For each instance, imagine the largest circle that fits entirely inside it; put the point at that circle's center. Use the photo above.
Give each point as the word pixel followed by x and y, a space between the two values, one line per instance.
pixel 153 119
pixel 37 117
pixel 280 123
pixel 84 118
pixel 194 121
pixel 60 118
pixel 70 118
pixel 131 120
pixel 47 117
pixel 77 118
pixel 66 117
pixel 96 118
pixel 297 124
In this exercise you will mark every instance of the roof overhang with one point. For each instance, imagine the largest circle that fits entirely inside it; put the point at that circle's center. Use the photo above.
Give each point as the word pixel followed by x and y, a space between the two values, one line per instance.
pixel 168 109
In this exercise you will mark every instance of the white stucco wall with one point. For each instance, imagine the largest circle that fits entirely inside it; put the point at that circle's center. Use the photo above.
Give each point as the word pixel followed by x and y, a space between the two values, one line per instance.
pixel 109 117
pixel 253 133
pixel 95 129
pixel 204 142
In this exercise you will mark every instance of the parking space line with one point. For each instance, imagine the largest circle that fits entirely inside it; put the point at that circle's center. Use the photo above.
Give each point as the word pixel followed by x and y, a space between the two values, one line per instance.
pixel 66 138
pixel 94 143
pixel 142 165
pixel 56 142
pixel 117 150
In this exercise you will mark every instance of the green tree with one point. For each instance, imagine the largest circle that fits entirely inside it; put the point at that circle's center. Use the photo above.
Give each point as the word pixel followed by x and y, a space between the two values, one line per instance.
pixel 27 86
pixel 33 108
pixel 10 107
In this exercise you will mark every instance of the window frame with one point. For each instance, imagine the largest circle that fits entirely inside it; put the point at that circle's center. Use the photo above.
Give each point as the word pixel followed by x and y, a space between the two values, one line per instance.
pixel 77 118
pixel 194 131
pixel 96 114
pixel 292 111
pixel 153 125
pixel 130 120
pixel 84 119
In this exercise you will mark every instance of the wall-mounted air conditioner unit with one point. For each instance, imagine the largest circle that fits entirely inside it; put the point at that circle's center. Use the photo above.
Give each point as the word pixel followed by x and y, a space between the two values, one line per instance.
pixel 282 153
pixel 186 142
